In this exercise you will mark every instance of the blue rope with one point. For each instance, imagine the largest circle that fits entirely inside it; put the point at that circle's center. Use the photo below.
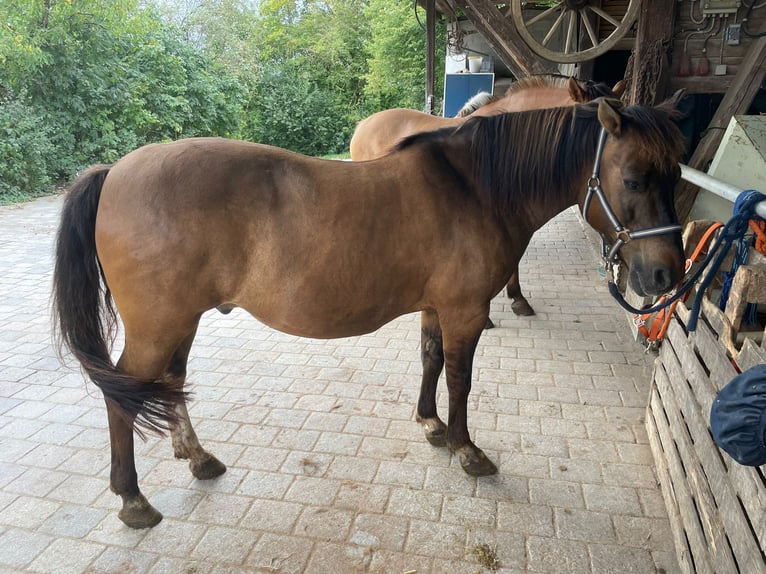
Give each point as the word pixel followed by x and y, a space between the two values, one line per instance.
pixel 734 230
pixel 740 257
pixel 736 227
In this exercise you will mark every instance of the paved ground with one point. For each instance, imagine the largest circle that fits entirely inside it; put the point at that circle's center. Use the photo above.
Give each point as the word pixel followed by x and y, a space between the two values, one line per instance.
pixel 328 472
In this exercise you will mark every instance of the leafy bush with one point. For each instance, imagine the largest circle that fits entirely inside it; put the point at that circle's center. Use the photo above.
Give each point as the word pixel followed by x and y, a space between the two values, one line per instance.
pixel 88 81
pixel 25 152
pixel 290 111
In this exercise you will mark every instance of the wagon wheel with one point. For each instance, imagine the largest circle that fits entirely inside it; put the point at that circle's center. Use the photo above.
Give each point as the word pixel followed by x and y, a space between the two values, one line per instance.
pixel 576 16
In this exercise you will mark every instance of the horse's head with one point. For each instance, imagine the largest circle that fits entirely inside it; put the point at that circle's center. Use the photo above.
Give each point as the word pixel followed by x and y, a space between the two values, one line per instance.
pixel 581 91
pixel 630 195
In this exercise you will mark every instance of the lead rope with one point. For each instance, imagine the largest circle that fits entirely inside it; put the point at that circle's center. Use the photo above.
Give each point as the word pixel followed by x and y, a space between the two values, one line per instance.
pixel 736 227
pixel 655 333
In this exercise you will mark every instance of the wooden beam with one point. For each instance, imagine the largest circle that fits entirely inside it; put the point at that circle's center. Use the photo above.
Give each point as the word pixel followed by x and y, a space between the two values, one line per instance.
pixel 737 100
pixel 701 84
pixel 501 34
pixel 649 76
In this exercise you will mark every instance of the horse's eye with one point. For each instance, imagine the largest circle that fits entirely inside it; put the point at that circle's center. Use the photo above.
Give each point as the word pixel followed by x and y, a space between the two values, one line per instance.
pixel 633 184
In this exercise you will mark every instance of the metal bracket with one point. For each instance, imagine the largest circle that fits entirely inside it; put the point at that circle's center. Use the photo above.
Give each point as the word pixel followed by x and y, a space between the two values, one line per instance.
pixel 712 7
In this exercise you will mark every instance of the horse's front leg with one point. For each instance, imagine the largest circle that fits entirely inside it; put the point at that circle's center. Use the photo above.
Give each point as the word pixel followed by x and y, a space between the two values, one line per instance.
pixel 432 357
pixel 460 340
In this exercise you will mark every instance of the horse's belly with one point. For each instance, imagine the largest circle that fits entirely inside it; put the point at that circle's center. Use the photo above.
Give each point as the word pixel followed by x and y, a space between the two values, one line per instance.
pixel 324 323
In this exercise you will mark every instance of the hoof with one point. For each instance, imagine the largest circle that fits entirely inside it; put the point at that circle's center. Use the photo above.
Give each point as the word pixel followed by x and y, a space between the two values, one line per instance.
pixel 435 431
pixel 138 513
pixel 522 308
pixel 489 324
pixel 207 467
pixel 475 462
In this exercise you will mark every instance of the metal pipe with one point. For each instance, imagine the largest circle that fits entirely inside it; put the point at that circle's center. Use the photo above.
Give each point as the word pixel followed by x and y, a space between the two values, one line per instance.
pixel 716 186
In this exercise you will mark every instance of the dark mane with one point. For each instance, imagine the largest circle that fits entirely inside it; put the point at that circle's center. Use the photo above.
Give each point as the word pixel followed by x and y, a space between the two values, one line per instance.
pixel 425 138
pixel 663 143
pixel 595 90
pixel 532 155
pixel 536 154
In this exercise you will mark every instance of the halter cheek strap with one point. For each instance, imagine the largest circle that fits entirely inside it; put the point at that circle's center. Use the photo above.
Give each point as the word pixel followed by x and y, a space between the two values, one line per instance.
pixel 624 235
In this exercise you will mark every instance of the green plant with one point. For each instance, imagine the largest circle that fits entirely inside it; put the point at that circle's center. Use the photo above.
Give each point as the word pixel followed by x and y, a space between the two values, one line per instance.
pixel 25 152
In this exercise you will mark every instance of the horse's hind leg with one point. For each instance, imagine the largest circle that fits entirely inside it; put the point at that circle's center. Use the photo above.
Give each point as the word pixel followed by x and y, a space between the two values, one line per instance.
pixel 520 305
pixel 145 357
pixel 432 357
pixel 186 445
pixel 136 511
pixel 146 361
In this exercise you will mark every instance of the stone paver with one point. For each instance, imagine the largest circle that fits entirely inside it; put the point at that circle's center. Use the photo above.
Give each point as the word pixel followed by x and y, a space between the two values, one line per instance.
pixel 328 471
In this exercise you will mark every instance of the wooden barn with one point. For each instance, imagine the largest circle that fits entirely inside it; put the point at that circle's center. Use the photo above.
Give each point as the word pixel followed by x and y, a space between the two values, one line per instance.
pixel 715 50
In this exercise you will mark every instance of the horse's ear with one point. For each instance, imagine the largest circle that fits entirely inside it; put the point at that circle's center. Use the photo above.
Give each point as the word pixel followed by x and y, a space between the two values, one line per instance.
pixel 672 103
pixel 576 91
pixel 609 115
pixel 619 88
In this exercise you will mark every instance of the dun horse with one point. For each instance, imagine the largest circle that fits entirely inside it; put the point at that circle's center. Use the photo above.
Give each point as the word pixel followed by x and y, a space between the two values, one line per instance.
pixel 322 248
pixel 377 135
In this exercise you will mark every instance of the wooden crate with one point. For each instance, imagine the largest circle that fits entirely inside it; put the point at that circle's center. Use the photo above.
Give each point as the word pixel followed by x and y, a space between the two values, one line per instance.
pixel 717 508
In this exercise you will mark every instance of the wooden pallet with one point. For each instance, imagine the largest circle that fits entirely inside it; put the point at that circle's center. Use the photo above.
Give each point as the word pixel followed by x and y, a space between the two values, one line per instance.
pixel 717 508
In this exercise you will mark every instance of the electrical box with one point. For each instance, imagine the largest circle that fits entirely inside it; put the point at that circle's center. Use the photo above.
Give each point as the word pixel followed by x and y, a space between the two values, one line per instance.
pixel 711 7
pixel 733 34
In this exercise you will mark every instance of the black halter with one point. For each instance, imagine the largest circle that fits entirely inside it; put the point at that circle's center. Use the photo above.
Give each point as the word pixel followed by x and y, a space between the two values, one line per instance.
pixel 624 235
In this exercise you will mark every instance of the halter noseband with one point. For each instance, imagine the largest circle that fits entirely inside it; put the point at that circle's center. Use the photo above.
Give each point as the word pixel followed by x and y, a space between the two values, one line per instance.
pixel 623 235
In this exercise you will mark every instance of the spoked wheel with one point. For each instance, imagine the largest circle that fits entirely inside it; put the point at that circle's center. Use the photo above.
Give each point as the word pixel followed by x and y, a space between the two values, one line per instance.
pixel 583 29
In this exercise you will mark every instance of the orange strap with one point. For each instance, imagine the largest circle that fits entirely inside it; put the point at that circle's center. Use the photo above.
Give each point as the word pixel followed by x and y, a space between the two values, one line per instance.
pixel 659 326
pixel 759 228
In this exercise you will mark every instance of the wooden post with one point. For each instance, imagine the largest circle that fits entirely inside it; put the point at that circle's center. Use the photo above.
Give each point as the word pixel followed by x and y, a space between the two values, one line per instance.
pixel 650 62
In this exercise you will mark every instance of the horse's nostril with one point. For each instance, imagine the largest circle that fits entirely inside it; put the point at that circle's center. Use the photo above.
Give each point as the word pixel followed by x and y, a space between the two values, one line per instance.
pixel 663 280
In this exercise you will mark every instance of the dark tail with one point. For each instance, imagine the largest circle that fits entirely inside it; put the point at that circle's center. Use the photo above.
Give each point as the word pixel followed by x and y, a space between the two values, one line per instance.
pixel 84 317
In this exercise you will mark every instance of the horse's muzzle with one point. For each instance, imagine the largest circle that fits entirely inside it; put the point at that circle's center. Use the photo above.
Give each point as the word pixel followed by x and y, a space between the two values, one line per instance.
pixel 654 279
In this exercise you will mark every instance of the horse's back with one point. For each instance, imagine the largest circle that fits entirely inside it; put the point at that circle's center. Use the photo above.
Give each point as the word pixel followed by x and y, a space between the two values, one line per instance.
pixel 175 222
pixel 532 98
pixel 308 246
pixel 379 133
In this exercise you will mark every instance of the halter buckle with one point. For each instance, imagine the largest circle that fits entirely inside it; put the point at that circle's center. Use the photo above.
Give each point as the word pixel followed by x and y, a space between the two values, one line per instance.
pixel 624 236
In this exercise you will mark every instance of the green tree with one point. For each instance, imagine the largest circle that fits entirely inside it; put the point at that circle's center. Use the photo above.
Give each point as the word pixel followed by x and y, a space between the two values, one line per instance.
pixel 315 51
pixel 25 151
pixel 397 56
pixel 87 81
pixel 105 78
pixel 290 111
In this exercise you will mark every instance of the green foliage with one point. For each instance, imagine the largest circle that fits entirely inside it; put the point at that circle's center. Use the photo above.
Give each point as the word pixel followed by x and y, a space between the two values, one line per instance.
pixel 397 56
pixel 25 151
pixel 292 112
pixel 104 78
pixel 87 81
pixel 308 95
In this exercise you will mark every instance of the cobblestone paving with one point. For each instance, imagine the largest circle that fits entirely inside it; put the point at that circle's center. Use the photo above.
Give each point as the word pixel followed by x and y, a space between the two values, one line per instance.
pixel 328 471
